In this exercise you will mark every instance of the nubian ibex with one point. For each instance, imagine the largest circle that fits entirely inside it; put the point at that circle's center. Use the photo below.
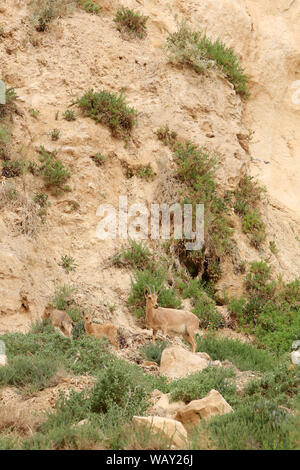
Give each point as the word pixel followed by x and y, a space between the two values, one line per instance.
pixel 59 319
pixel 99 331
pixel 170 320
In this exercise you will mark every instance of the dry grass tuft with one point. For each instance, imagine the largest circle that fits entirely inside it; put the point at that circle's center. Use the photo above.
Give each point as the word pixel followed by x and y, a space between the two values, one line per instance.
pixel 26 220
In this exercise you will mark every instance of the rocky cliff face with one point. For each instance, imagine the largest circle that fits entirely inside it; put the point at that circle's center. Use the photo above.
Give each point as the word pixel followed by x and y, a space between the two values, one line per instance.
pixel 81 51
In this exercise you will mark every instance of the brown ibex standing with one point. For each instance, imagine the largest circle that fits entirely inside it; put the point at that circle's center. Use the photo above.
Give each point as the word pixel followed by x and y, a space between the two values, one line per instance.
pixel 59 319
pixel 170 320
pixel 99 331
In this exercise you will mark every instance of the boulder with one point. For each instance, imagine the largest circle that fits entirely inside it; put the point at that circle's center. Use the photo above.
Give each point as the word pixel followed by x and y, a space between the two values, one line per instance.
pixel 178 362
pixel 168 428
pixel 3 360
pixel 211 405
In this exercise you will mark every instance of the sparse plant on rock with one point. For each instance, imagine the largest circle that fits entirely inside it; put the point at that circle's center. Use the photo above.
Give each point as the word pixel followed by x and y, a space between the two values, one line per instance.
pixel 55 134
pixel 69 115
pixel 109 109
pixel 146 172
pixel 34 112
pixel 53 170
pixel 89 6
pixel 68 263
pixel 131 22
pixel 99 159
pixel 196 50
pixel 45 11
pixel 13 168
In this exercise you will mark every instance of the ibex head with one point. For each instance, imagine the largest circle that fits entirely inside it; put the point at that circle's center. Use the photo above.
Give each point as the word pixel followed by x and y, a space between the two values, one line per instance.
pixel 151 297
pixel 87 317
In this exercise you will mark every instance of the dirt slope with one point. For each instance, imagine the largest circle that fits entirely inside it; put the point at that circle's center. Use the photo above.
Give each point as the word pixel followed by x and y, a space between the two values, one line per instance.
pixel 83 51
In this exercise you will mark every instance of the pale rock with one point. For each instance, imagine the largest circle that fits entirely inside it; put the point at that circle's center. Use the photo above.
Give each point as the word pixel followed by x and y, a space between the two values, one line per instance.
pixel 211 405
pixel 178 362
pixel 3 360
pixel 169 428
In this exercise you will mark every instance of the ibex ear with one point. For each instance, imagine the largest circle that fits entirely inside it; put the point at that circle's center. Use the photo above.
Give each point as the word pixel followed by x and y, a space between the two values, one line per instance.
pixel 147 291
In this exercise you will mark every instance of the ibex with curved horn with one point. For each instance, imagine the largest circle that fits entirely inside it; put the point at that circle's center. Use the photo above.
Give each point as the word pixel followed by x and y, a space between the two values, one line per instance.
pixel 170 320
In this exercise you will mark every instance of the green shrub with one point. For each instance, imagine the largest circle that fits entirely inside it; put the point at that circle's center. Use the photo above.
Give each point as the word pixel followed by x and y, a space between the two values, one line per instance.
pixel 78 329
pixel 196 50
pixel 153 279
pixel 248 195
pixel 136 255
pixel 53 170
pixel 45 11
pixel 256 426
pixel 89 6
pixel 208 314
pixel 280 385
pixel 13 168
pixel 44 343
pixel 55 134
pixel 99 159
pixel 41 199
pixel 168 137
pixel 243 355
pixel 198 385
pixel 196 169
pixel 69 115
pixel 146 173
pixel 33 168
pixel 152 352
pixel 121 386
pixel 29 373
pixel 34 112
pixel 63 296
pixel 68 263
pixel 109 109
pixel 272 310
pixel 131 22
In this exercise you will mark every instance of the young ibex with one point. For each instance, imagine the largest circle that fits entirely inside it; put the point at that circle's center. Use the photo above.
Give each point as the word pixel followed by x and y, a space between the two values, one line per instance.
pixel 108 330
pixel 59 319
pixel 170 320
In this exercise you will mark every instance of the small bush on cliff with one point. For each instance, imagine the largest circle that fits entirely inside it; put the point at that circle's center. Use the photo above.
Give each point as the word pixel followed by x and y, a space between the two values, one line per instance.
pixel 135 255
pixel 68 263
pixel 53 170
pixel 109 109
pixel 248 195
pixel 89 6
pixel 198 385
pixel 153 278
pixel 243 355
pixel 45 11
pixel 29 373
pixel 196 169
pixel 69 115
pixel 272 311
pixel 13 168
pixel 195 49
pixel 131 22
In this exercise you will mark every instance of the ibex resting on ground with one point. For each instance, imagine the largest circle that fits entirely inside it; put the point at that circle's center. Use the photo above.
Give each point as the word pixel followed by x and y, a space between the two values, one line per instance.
pixel 170 320
pixel 59 319
pixel 99 331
